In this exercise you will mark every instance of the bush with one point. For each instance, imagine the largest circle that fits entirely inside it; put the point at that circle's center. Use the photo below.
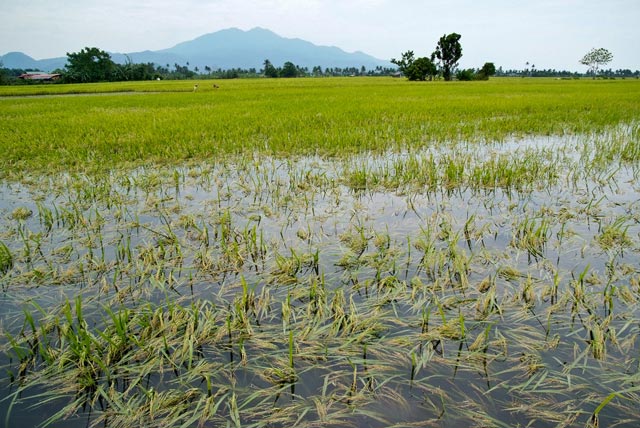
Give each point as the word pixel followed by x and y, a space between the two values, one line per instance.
pixel 466 75
pixel 421 68
pixel 488 69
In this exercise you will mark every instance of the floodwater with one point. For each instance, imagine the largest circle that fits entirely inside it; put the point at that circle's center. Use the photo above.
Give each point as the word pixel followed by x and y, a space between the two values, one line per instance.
pixel 537 272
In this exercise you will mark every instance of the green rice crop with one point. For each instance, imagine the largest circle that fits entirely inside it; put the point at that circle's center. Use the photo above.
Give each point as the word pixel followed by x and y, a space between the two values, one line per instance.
pixel 320 252
pixel 161 123
pixel 6 259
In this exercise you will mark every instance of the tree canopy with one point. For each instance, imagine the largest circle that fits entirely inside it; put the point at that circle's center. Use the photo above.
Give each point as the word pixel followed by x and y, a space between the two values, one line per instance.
pixel 269 69
pixel 488 69
pixel 596 58
pixel 415 68
pixel 289 70
pixel 422 68
pixel 404 62
pixel 89 65
pixel 448 52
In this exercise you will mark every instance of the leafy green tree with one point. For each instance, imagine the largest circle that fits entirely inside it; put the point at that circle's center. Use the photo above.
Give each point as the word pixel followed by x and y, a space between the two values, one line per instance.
pixel 596 58
pixel 269 69
pixel 448 52
pixel 289 70
pixel 488 69
pixel 420 69
pixel 89 65
pixel 405 62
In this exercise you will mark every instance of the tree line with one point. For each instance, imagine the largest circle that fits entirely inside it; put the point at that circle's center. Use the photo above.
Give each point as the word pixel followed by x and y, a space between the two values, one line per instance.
pixel 95 65
pixel 443 63
pixel 92 64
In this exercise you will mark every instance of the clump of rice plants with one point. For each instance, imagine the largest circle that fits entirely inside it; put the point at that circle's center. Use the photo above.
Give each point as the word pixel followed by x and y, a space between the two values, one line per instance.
pixel 6 259
pixel 194 267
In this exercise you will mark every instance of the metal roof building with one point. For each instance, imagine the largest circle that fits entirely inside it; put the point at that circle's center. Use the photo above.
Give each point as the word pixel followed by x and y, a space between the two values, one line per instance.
pixel 39 76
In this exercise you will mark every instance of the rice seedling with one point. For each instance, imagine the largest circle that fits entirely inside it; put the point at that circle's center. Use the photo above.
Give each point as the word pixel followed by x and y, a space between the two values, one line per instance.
pixel 283 257
pixel 532 236
pixel 6 259
pixel 614 235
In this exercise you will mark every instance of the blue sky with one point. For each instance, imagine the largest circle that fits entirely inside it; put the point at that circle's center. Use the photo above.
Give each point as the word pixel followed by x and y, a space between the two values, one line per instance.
pixel 549 34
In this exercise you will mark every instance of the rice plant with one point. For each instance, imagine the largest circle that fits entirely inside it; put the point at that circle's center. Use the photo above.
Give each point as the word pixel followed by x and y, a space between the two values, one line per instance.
pixel 335 252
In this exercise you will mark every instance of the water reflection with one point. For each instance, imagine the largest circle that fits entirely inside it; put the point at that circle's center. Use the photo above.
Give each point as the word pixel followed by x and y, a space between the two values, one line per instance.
pixel 334 303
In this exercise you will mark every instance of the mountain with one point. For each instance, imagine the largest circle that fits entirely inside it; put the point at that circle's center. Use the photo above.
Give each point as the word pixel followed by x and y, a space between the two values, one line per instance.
pixel 18 60
pixel 230 48
pixel 25 62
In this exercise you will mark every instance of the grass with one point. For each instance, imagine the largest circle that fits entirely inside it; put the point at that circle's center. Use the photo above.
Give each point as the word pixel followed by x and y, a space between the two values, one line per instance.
pixel 339 252
pixel 6 259
pixel 330 117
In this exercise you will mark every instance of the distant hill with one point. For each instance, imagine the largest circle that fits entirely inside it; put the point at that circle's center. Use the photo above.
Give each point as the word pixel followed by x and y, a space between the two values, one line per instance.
pixel 230 48
pixel 22 61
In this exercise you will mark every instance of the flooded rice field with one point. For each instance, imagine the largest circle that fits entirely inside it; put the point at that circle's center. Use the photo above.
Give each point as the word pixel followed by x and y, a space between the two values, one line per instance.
pixel 469 285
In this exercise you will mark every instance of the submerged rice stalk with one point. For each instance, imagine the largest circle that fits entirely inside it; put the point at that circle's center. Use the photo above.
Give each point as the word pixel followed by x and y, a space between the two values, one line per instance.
pixel 6 259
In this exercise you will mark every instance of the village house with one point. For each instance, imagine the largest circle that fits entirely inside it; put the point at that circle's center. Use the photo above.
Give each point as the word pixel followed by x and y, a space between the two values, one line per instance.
pixel 38 75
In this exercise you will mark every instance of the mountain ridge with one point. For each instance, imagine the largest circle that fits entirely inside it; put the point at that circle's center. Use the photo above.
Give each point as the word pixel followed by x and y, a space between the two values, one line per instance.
pixel 225 49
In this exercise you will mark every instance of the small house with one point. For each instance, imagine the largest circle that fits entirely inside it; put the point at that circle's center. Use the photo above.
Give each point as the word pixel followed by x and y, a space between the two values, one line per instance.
pixel 37 75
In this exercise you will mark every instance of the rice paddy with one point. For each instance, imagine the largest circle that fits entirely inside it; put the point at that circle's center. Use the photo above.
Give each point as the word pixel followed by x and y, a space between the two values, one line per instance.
pixel 321 252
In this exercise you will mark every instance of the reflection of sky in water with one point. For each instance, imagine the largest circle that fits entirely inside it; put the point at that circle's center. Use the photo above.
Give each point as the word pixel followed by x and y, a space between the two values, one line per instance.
pixel 301 207
pixel 280 211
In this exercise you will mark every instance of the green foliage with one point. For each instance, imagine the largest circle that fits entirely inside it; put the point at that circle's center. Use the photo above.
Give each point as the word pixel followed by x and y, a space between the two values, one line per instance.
pixel 448 52
pixel 325 116
pixel 488 69
pixel 269 69
pixel 404 62
pixel 6 259
pixel 89 65
pixel 136 72
pixel 415 69
pixel 421 68
pixel 289 70
pixel 466 74
pixel 596 58
pixel 182 72
pixel 242 284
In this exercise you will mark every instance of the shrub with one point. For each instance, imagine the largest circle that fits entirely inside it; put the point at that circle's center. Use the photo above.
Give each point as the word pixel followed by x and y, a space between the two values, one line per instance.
pixel 466 75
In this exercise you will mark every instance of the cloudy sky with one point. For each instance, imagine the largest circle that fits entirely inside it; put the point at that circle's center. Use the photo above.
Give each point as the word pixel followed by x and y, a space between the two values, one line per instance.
pixel 547 33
